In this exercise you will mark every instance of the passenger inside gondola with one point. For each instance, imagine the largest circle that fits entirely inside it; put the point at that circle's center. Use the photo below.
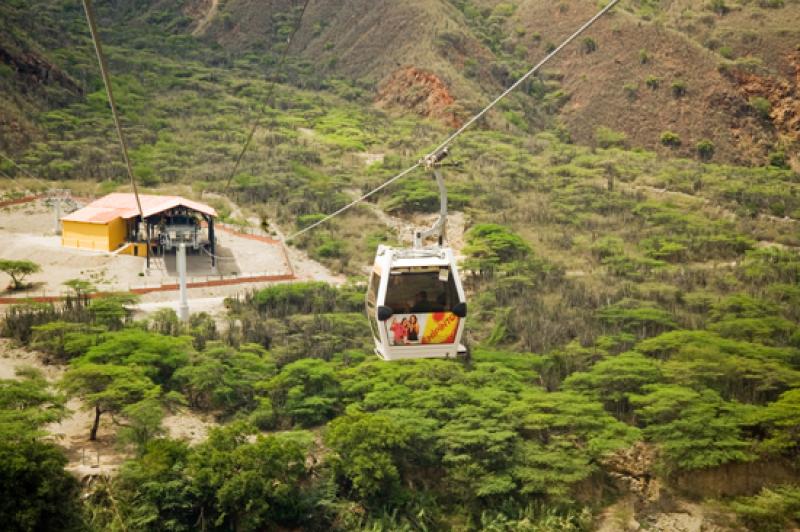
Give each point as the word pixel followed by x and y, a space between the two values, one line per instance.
pixel 421 303
pixel 421 292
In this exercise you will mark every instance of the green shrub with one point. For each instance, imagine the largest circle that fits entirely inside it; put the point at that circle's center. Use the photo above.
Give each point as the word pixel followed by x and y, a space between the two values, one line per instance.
pixel 644 57
pixel 670 139
pixel 589 45
pixel 778 158
pixel 312 297
pixel 504 10
pixel 679 88
pixel 652 82
pixel 761 106
pixel 608 138
pixel 772 510
pixel 330 248
pixel 631 90
pixel 705 149
pixel 719 7
pixel 305 220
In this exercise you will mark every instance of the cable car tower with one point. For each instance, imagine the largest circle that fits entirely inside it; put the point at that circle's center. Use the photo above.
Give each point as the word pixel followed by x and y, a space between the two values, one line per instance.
pixel 415 301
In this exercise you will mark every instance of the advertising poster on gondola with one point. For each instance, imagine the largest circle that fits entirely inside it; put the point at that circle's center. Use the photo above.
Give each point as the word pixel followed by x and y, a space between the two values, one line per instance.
pixel 422 328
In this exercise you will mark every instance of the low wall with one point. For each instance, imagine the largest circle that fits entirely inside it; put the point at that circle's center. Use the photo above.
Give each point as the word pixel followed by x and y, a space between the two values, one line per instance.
pixel 18 201
pixel 737 479
pixel 141 290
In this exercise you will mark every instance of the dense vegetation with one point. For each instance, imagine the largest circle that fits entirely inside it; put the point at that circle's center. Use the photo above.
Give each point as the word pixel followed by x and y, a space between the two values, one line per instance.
pixel 616 297
pixel 508 439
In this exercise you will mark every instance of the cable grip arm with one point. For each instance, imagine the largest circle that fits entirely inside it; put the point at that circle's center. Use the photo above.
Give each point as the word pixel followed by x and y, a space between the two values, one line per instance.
pixel 439 227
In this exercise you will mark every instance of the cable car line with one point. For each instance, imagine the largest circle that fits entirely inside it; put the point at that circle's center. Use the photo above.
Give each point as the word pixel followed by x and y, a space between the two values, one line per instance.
pixel 521 80
pixel 23 170
pixel 436 152
pixel 354 202
pixel 87 7
pixel 282 59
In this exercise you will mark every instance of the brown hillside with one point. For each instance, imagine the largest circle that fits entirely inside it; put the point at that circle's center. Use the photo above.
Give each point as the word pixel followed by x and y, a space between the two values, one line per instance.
pixel 359 39
pixel 748 30
pixel 390 43
pixel 29 81
pixel 609 86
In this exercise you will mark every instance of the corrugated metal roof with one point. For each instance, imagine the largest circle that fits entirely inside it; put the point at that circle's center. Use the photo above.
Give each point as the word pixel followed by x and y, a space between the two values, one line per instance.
pixel 123 205
pixel 95 215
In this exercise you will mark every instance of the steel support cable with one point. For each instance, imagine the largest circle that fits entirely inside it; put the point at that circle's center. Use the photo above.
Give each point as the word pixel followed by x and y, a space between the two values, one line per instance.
pixel 214 256
pixel 24 171
pixel 432 155
pixel 87 6
pixel 521 80
pixel 354 202
pixel 253 129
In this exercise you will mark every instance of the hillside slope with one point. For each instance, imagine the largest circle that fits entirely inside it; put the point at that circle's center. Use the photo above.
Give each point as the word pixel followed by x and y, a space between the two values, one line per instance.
pixel 30 79
pixel 640 71
pixel 727 76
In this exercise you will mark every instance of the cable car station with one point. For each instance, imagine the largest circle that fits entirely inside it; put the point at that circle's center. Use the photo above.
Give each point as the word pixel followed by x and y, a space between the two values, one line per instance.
pixel 113 223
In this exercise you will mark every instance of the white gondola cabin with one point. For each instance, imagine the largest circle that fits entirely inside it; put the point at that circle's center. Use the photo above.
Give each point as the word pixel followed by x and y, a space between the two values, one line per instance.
pixel 415 304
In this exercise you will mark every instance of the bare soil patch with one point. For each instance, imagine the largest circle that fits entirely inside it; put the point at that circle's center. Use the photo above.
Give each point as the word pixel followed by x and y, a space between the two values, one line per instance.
pixel 28 233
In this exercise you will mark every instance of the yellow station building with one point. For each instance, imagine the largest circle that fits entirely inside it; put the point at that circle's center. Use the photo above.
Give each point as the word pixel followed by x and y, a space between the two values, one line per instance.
pixel 113 223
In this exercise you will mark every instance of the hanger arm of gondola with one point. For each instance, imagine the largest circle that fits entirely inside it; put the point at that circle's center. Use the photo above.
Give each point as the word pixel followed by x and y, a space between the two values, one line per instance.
pixel 439 227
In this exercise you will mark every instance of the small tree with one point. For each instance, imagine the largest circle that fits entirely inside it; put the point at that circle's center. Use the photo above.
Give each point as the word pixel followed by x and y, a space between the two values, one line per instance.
pixel 679 88
pixel 18 270
pixel 112 310
pixel 761 106
pixel 608 138
pixel 719 7
pixel 670 139
pixel 705 149
pixel 778 158
pixel 81 287
pixel 143 423
pixel 62 340
pixel 107 388
pixel 652 82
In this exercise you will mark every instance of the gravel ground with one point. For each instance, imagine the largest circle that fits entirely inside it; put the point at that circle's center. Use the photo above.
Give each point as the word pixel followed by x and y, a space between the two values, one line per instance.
pixel 27 232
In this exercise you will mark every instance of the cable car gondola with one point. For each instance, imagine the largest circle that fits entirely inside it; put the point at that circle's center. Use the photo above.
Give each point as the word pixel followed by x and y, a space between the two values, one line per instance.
pixel 415 301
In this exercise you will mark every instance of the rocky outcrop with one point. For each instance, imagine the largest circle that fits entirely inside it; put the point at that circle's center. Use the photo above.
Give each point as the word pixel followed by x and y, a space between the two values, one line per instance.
pixel 33 69
pixel 647 503
pixel 782 94
pixel 420 91
pixel 631 471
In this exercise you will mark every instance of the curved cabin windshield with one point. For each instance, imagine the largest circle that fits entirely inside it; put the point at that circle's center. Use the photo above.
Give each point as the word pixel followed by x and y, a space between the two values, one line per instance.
pixel 422 300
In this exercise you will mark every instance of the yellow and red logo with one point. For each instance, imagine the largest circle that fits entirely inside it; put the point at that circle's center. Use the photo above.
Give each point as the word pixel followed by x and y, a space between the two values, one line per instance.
pixel 440 328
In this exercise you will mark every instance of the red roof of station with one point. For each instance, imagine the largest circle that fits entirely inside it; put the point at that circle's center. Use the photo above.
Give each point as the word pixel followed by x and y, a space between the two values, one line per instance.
pixel 123 205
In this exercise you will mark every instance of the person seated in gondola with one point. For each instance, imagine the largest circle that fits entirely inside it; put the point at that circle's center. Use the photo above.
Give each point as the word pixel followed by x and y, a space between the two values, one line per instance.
pixel 441 303
pixel 421 303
